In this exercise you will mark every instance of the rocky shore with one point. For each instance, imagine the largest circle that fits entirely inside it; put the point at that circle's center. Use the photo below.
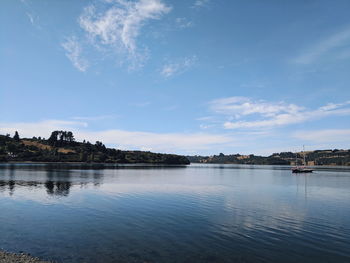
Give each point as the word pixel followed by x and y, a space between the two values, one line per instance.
pixel 18 258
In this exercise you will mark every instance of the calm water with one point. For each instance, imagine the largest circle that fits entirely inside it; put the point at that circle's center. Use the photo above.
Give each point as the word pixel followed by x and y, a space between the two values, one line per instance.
pixel 199 213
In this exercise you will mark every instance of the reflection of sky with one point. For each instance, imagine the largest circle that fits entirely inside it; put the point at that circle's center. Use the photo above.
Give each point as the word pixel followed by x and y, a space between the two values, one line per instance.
pixel 243 206
pixel 196 181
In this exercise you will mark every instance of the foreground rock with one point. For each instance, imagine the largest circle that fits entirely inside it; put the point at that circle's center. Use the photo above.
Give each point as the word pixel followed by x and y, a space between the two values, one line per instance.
pixel 18 258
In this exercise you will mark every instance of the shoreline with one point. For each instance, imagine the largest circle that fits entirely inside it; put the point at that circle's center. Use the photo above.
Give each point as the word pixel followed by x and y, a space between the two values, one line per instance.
pixel 111 164
pixel 90 163
pixel 7 257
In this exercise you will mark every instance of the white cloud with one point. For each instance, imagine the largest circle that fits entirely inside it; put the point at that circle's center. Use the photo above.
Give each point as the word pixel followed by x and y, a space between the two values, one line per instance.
pixel 179 67
pixel 30 17
pixel 41 128
pixel 163 142
pixel 325 46
pixel 205 126
pixel 30 13
pixel 158 142
pixel 182 22
pixel 93 118
pixel 118 24
pixel 200 3
pixel 239 106
pixel 205 118
pixel 325 136
pixel 264 114
pixel 73 52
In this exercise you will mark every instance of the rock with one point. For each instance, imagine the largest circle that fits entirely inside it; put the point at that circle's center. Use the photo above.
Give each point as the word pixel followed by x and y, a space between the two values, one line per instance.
pixel 18 258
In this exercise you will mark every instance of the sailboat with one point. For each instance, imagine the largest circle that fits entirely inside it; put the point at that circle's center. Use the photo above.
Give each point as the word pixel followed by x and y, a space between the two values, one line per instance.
pixel 303 168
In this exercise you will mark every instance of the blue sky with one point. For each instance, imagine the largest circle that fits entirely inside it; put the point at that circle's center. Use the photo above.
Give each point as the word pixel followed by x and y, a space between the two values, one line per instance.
pixel 189 77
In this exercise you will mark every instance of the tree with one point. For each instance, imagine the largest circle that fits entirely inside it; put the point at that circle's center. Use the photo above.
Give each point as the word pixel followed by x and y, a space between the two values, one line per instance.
pixel 16 136
pixel 11 147
pixel 60 138
pixel 70 136
pixel 53 138
pixel 100 146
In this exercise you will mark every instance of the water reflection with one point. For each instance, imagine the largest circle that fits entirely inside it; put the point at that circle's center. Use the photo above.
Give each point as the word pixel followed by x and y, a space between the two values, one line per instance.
pixel 57 179
pixel 203 213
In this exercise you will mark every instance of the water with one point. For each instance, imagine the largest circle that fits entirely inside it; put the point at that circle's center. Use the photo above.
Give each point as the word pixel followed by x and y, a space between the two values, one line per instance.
pixel 199 213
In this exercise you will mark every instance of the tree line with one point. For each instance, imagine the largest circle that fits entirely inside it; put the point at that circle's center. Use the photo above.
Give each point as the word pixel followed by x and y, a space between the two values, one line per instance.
pixel 61 146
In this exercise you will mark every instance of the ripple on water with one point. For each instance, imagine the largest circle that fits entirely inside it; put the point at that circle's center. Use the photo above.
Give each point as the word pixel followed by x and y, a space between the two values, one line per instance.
pixel 197 214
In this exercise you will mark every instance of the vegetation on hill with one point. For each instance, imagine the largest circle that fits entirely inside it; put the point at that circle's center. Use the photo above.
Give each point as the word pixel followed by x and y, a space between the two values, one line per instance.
pixel 318 157
pixel 62 147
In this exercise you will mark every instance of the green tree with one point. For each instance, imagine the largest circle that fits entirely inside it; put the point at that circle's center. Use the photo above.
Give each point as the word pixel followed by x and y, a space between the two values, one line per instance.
pixel 16 136
pixel 53 138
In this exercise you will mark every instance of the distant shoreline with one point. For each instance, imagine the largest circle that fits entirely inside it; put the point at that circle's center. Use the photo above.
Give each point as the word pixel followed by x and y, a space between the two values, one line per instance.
pixel 330 157
pixel 84 163
pixel 265 164
pixel 164 164
pixel 61 147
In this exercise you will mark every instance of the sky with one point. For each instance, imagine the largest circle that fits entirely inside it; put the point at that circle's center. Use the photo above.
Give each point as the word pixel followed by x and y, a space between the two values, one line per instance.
pixel 185 76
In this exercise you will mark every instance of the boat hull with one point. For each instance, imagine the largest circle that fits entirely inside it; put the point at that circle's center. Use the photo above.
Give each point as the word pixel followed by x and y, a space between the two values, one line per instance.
pixel 301 170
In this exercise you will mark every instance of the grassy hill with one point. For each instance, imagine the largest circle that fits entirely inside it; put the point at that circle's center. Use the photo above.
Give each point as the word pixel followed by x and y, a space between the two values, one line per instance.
pixel 62 147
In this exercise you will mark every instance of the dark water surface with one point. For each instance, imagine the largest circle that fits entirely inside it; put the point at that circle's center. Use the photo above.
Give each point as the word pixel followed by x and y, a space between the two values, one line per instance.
pixel 199 213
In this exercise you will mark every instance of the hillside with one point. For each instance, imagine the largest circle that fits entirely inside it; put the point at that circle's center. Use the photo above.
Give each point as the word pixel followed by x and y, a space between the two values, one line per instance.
pixel 62 147
pixel 318 157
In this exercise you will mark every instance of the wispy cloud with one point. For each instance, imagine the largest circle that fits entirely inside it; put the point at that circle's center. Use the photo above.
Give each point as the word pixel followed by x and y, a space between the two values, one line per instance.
pixel 45 127
pixel 262 114
pixel 30 13
pixel 30 17
pixel 326 46
pixel 175 68
pixel 239 106
pixel 123 139
pixel 73 52
pixel 93 118
pixel 117 24
pixel 182 22
pixel 325 136
pixel 163 142
pixel 200 3
pixel 205 126
pixel 205 118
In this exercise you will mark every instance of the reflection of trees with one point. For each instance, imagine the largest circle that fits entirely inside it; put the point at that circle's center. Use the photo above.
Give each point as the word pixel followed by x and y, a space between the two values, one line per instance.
pixel 97 177
pixel 2 185
pixel 57 188
pixel 57 179
pixel 58 182
pixel 11 182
